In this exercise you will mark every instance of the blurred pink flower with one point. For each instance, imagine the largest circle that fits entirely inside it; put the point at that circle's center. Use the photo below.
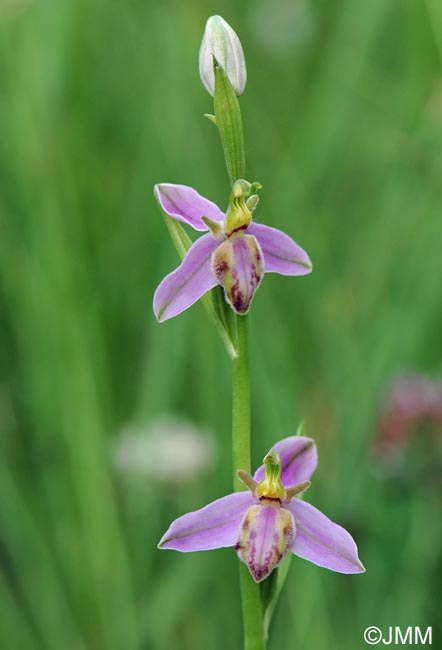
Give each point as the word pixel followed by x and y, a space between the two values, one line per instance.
pixel 412 401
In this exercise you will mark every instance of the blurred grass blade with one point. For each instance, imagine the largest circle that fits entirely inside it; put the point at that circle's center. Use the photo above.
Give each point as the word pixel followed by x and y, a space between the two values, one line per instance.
pixel 302 429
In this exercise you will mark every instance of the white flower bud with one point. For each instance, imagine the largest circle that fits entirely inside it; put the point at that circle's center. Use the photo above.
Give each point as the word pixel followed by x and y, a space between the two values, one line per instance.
pixel 220 41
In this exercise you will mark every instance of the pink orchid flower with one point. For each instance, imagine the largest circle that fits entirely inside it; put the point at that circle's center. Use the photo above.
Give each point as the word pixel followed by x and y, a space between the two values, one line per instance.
pixel 235 253
pixel 266 522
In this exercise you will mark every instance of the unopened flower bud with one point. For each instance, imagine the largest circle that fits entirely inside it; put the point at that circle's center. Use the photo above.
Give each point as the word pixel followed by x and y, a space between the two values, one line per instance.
pixel 221 42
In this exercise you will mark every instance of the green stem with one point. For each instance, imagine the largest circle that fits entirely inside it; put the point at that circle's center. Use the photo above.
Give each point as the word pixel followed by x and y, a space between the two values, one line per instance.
pixel 229 123
pixel 250 594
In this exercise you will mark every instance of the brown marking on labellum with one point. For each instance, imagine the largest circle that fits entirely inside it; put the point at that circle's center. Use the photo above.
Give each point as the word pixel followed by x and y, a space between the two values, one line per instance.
pixel 237 296
pixel 254 279
pixel 270 499
pixel 220 269
pixel 238 302
pixel 236 231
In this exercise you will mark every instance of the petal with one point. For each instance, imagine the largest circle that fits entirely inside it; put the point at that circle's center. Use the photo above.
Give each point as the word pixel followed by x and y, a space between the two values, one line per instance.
pixel 321 541
pixel 299 458
pixel 214 526
pixel 184 204
pixel 266 534
pixel 281 254
pixel 238 265
pixel 181 288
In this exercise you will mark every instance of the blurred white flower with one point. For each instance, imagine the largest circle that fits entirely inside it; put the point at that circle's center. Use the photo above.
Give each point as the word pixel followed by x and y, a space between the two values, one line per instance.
pixel 282 26
pixel 220 41
pixel 168 449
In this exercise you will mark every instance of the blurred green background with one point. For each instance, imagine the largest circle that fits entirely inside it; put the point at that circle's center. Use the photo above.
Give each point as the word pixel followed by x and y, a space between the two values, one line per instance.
pixel 100 99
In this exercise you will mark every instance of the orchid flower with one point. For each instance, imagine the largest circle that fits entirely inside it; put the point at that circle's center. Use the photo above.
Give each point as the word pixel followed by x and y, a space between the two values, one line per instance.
pixel 235 252
pixel 268 521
